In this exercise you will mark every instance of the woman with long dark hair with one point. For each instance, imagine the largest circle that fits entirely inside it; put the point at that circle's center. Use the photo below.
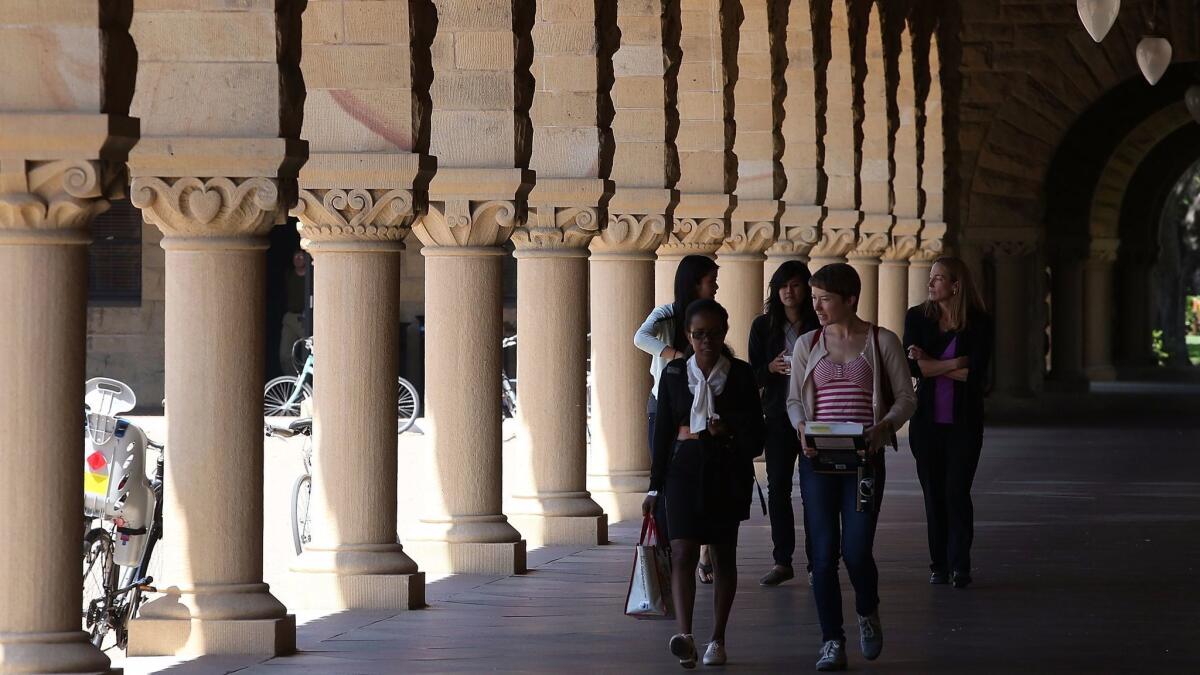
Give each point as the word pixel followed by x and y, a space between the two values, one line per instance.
pixel 847 371
pixel 663 337
pixel 787 314
pixel 708 430
pixel 949 340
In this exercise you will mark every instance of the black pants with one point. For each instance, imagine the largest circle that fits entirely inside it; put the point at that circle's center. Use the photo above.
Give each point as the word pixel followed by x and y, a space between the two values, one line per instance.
pixel 660 504
pixel 782 450
pixel 947 456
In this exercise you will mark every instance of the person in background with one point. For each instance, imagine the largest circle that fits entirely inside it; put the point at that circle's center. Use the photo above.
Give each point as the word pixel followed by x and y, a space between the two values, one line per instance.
pixel 293 325
pixel 949 341
pixel 662 336
pixel 709 429
pixel 846 371
pixel 787 314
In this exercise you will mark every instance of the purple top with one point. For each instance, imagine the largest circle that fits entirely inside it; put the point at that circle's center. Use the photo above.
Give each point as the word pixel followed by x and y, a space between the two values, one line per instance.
pixel 943 390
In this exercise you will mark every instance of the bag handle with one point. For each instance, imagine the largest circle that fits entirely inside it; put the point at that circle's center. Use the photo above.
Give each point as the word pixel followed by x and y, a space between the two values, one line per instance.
pixel 889 398
pixel 649 535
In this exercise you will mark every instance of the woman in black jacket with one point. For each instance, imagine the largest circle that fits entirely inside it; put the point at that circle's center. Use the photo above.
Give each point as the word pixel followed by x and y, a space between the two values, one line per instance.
pixel 787 314
pixel 949 341
pixel 708 430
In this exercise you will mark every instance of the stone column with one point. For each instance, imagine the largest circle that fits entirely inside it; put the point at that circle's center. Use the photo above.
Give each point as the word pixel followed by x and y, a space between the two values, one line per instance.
pixel 1013 357
pixel 465 529
pixel 550 503
pixel 215 171
pixel 354 561
pixel 1066 322
pixel 922 260
pixel 45 207
pixel 741 278
pixel 622 283
pixel 688 236
pixel 893 279
pixel 215 601
pixel 64 136
pixel 356 206
pixel 1097 310
pixel 864 258
pixel 799 230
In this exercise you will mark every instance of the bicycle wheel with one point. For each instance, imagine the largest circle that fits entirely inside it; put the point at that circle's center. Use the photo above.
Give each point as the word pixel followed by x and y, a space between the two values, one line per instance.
pixel 408 407
pixel 278 400
pixel 100 576
pixel 301 494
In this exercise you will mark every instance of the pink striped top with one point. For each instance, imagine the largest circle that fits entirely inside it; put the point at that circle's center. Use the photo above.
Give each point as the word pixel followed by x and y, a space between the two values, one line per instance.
pixel 844 391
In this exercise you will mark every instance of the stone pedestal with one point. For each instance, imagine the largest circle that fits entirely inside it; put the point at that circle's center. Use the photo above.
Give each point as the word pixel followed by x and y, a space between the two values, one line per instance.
pixel 354 559
pixel 741 258
pixel 1067 328
pixel 1013 309
pixel 1097 311
pixel 893 295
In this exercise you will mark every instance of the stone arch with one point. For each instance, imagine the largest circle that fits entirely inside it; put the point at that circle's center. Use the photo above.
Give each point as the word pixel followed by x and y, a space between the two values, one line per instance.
pixel 1047 92
pixel 1105 213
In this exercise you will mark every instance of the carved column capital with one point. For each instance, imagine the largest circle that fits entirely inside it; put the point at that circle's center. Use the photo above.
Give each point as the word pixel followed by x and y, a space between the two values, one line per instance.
pixel 55 198
pixel 333 216
pixel 630 235
pixel 463 223
pixel 1008 248
pixel 833 243
pixel 688 236
pixel 195 207
pixel 901 248
pixel 749 238
pixel 1103 251
pixel 557 228
pixel 869 246
pixel 932 245
pixel 795 239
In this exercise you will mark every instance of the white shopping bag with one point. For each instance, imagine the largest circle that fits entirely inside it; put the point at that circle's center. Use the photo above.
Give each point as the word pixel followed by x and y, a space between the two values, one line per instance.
pixel 649 595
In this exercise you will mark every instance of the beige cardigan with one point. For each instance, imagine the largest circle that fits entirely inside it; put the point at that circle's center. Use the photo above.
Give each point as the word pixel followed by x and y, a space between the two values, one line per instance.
pixel 802 392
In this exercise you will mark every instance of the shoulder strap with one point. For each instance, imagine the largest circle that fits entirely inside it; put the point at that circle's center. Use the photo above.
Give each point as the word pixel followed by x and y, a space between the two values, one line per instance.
pixel 815 338
pixel 889 398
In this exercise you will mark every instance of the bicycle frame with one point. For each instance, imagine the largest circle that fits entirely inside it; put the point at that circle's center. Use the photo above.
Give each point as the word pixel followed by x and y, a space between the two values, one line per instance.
pixel 304 374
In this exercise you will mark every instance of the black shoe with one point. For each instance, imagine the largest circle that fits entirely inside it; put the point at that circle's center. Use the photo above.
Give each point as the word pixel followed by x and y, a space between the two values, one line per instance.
pixel 961 579
pixel 939 578
pixel 776 576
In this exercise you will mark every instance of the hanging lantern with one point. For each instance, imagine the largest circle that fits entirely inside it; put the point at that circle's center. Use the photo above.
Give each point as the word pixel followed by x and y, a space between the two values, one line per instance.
pixel 1098 16
pixel 1192 100
pixel 1153 57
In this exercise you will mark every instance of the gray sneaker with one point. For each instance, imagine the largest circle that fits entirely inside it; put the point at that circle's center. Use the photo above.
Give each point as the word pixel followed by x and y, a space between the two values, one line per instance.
pixel 832 656
pixel 715 654
pixel 870 635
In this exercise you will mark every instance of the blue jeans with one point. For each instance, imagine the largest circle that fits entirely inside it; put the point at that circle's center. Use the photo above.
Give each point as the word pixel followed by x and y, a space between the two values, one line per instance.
pixel 832 521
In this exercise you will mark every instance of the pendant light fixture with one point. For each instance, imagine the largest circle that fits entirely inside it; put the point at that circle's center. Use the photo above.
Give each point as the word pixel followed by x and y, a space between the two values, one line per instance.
pixel 1153 52
pixel 1192 100
pixel 1098 16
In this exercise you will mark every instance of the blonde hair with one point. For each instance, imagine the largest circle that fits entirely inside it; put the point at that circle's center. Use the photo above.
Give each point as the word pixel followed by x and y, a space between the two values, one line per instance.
pixel 961 304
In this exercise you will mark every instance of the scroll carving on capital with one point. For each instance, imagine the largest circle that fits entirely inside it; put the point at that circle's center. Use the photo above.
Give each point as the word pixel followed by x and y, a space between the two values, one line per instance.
pixel 356 214
pixel 216 207
pixel 461 222
pixel 1103 250
pixel 749 237
pixel 58 194
pixel 631 233
pixel 902 248
pixel 834 243
pixel 871 245
pixel 1009 248
pixel 795 240
pixel 689 236
pixel 557 227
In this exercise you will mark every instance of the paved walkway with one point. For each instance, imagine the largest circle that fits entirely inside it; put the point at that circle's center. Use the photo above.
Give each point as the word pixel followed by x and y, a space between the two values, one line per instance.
pixel 1087 556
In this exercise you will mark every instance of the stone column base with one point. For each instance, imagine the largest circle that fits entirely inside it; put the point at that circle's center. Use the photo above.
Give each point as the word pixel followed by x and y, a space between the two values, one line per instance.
pixel 468 557
pixel 620 505
pixel 1100 373
pixel 65 652
pixel 543 530
pixel 316 590
pixel 192 637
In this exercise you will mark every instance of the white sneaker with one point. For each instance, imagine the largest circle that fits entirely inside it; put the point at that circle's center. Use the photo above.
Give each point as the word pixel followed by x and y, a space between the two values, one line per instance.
pixel 684 647
pixel 715 654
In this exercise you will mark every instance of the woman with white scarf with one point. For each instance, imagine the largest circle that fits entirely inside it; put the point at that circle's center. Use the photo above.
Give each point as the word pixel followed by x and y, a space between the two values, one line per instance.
pixel 708 430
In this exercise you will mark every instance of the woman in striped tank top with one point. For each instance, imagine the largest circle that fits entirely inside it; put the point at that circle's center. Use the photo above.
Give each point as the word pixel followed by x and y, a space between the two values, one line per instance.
pixel 846 371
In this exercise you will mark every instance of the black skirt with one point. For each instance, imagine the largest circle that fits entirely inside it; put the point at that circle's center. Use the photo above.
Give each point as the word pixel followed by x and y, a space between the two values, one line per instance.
pixel 703 496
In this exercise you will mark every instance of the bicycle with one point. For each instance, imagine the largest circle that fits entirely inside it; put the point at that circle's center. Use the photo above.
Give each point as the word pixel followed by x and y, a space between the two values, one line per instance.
pixel 508 388
pixel 128 504
pixel 302 487
pixel 283 395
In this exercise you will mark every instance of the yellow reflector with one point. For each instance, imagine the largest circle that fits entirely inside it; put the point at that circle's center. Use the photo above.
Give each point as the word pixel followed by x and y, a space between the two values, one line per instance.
pixel 95 483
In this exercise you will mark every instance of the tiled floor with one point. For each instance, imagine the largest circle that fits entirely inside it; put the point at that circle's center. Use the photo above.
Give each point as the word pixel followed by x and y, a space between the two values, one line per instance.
pixel 1087 554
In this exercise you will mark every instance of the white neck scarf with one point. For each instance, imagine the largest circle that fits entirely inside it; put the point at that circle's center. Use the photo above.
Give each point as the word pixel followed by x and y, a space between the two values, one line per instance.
pixel 705 391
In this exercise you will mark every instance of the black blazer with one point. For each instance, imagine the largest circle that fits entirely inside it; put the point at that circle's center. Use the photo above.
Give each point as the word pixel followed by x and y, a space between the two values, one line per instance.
pixel 739 407
pixel 764 346
pixel 975 342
